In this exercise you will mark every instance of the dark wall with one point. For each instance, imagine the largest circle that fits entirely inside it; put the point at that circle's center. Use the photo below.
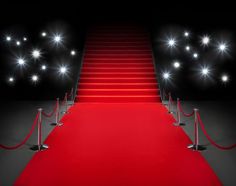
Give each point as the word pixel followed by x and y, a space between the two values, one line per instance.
pixel 30 20
pixel 187 82
pixel 74 18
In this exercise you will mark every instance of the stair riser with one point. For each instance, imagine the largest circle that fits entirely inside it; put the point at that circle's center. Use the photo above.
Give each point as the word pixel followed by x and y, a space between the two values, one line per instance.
pixel 115 65
pixel 102 47
pixel 111 59
pixel 117 92
pixel 118 70
pixel 118 99
pixel 118 61
pixel 115 43
pixel 117 39
pixel 116 75
pixel 117 80
pixel 118 52
pixel 138 44
pixel 117 56
pixel 118 86
pixel 120 35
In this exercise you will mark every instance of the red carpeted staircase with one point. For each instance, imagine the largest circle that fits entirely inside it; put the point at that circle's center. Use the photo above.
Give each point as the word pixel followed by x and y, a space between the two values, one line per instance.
pixel 118 67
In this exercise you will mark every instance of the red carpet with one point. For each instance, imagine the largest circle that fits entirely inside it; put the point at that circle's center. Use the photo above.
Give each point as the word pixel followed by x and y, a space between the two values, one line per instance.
pixel 118 144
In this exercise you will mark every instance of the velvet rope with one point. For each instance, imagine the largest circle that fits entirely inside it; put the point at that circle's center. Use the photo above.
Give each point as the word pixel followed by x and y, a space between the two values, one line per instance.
pixel 210 139
pixel 25 139
pixel 182 111
pixel 52 113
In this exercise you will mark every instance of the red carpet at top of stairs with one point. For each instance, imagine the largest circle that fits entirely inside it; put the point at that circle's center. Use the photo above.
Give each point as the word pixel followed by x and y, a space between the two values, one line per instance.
pixel 118 67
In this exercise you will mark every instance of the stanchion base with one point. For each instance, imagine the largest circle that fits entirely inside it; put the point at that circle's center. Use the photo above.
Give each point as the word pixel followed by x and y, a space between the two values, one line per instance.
pixel 39 148
pixel 197 147
pixel 57 124
pixel 179 124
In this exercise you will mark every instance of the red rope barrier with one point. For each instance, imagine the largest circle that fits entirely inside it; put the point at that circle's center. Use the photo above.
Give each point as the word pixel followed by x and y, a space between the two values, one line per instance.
pixel 52 113
pixel 185 114
pixel 26 138
pixel 209 138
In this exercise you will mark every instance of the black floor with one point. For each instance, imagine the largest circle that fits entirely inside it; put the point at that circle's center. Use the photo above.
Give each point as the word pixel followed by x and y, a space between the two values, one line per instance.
pixel 16 119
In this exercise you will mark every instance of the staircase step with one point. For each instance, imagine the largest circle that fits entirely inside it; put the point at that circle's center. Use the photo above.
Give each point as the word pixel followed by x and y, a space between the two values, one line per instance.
pixel 98 98
pixel 121 35
pixel 127 42
pixel 117 55
pixel 115 52
pixel 117 92
pixel 92 69
pixel 116 75
pixel 123 47
pixel 114 58
pixel 117 80
pixel 118 65
pixel 118 85
pixel 115 39
pixel 121 44
pixel 118 61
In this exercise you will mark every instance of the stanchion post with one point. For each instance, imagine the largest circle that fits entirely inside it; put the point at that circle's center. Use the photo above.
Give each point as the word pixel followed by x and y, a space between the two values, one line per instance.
pixel 169 104
pixel 196 146
pixel 39 146
pixel 71 96
pixel 66 104
pixel 178 115
pixel 57 115
pixel 164 97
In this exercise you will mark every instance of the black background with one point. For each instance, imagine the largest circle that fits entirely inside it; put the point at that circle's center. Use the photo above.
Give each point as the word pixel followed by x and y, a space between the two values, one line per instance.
pixel 73 18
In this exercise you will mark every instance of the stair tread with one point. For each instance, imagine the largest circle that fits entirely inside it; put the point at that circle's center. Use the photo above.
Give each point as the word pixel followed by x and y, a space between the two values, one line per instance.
pixel 122 78
pixel 117 89
pixel 119 96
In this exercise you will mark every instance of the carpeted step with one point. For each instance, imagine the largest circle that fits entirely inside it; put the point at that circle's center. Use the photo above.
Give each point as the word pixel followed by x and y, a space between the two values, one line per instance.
pixel 123 47
pixel 117 80
pixel 117 43
pixel 111 44
pixel 118 58
pixel 120 98
pixel 115 39
pixel 117 92
pixel 124 56
pixel 118 85
pixel 118 61
pixel 117 70
pixel 114 75
pixel 119 65
pixel 114 52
